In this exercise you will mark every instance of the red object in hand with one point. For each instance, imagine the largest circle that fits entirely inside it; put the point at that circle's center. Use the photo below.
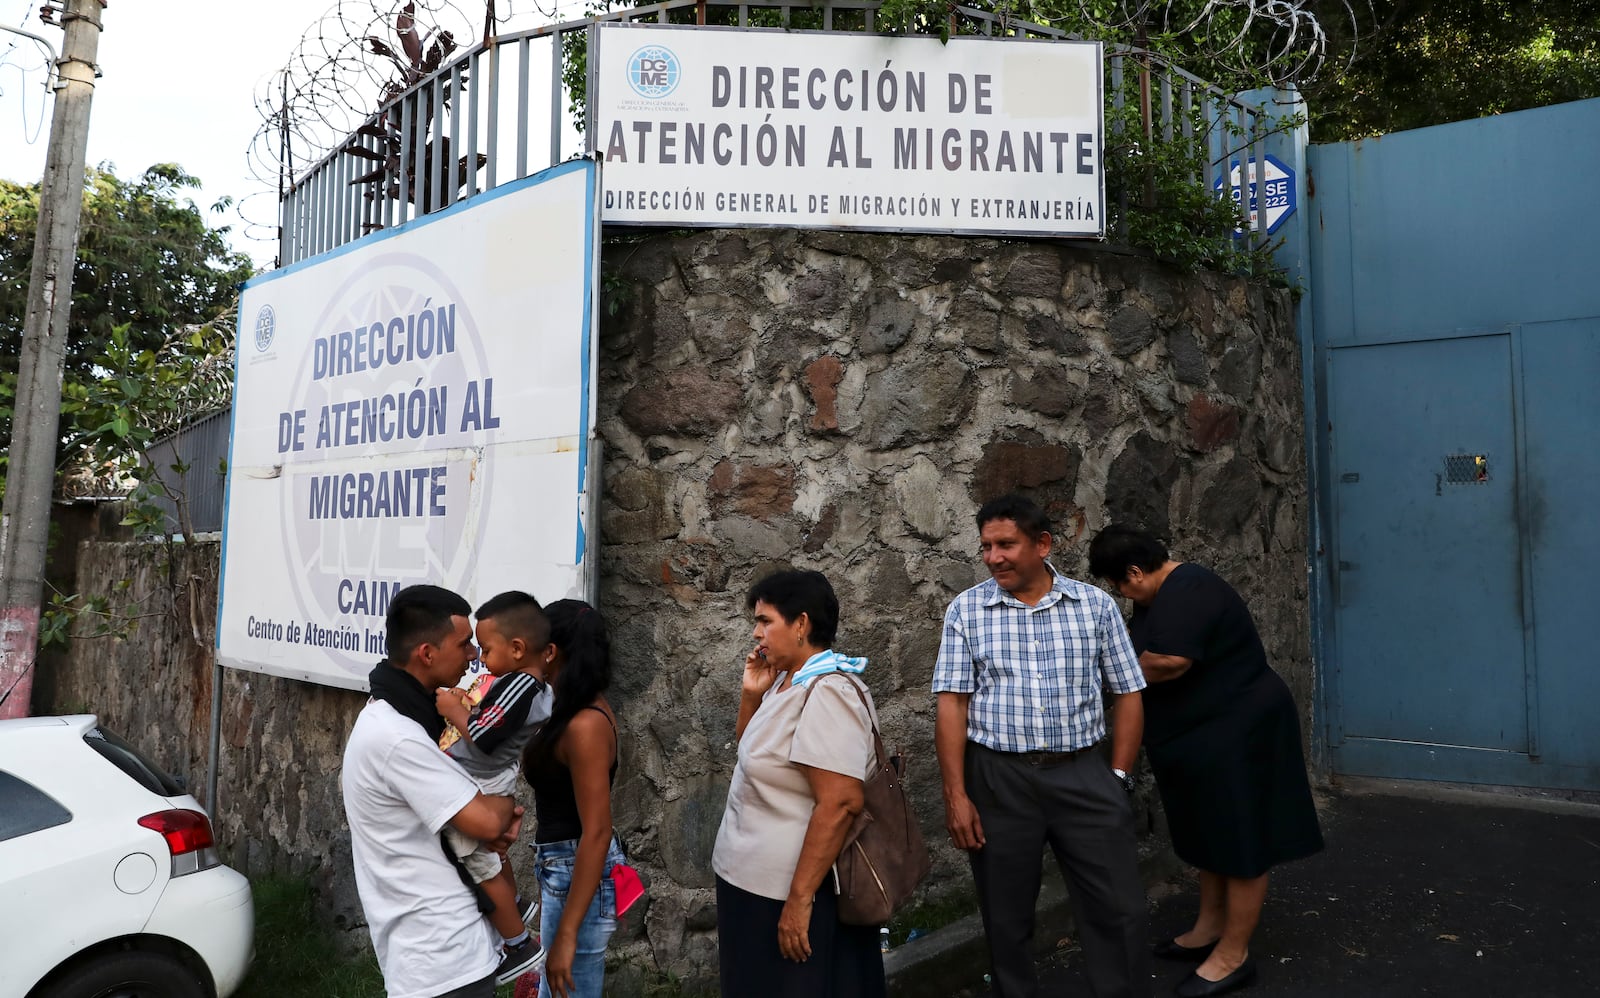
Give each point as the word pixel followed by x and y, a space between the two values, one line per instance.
pixel 527 985
pixel 629 887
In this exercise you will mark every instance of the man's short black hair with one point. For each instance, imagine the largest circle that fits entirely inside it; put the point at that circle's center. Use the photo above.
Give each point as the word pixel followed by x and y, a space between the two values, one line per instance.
pixel 1021 510
pixel 518 615
pixel 794 592
pixel 420 615
pixel 1118 548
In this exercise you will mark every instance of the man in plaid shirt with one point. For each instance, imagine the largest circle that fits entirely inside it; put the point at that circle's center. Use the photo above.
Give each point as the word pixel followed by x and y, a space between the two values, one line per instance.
pixel 1024 663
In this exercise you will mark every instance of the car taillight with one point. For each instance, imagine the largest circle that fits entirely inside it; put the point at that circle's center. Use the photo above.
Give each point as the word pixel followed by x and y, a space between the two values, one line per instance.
pixel 189 839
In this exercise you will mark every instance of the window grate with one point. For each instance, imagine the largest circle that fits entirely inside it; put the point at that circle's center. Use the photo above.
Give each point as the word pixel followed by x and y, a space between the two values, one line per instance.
pixel 1466 469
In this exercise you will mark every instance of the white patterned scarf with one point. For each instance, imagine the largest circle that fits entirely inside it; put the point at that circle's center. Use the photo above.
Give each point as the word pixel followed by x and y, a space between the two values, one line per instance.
pixel 824 662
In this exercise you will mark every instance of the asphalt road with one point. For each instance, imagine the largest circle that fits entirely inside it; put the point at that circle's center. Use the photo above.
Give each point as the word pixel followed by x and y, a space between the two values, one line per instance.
pixel 1414 897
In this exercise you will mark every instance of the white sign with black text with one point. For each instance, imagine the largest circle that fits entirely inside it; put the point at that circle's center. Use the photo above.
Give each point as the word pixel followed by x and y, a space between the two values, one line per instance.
pixel 414 407
pixel 716 127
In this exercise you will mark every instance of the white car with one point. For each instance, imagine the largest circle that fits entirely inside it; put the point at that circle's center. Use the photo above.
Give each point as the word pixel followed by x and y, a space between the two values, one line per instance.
pixel 110 885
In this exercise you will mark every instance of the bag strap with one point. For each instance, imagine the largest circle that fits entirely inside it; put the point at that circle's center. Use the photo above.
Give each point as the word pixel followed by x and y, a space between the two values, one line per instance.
pixel 877 739
pixel 882 760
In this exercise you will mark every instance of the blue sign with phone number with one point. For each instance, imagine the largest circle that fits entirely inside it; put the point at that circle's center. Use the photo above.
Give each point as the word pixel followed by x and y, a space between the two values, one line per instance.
pixel 1274 193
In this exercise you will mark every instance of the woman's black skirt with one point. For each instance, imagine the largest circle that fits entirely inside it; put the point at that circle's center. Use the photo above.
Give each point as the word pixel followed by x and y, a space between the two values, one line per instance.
pixel 845 962
pixel 1235 788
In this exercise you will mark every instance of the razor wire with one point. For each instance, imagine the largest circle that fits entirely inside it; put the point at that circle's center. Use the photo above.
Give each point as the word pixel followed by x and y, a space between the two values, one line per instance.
pixel 362 53
pixel 354 58
pixel 1276 42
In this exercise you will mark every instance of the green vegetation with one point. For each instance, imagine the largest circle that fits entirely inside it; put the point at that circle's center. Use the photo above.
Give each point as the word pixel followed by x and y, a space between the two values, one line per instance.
pixel 1388 65
pixel 1427 62
pixel 153 295
pixel 1156 200
pixel 151 347
pixel 928 915
pixel 628 973
pixel 295 952
pixel 131 398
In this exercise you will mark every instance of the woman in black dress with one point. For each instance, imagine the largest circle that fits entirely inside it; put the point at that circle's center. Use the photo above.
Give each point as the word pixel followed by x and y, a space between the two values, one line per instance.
pixel 1223 737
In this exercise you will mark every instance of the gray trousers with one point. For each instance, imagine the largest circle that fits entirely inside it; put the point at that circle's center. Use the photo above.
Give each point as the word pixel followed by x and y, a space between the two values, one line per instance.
pixel 1080 809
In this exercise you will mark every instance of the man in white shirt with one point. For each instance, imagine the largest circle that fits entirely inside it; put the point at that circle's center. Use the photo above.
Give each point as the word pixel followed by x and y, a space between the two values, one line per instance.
pixel 400 791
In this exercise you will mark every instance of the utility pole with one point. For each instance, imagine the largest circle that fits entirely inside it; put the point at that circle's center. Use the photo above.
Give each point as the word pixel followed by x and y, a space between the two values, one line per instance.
pixel 25 518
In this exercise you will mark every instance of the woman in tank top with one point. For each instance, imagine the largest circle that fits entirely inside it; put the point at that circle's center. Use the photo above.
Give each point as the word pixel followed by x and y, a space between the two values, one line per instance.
pixel 571 763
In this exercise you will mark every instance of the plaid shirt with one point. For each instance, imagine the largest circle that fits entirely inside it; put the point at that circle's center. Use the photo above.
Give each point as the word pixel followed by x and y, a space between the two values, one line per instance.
pixel 1036 672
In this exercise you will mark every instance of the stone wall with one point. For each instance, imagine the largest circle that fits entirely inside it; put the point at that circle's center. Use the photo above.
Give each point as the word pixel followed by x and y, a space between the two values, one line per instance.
pixel 832 401
pixel 845 402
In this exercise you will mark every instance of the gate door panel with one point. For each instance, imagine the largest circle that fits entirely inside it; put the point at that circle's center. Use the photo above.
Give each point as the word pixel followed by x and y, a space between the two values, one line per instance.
pixel 1560 366
pixel 1428 578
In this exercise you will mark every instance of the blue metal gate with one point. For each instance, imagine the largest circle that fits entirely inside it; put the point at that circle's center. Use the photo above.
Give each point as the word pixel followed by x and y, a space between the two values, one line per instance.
pixel 1455 361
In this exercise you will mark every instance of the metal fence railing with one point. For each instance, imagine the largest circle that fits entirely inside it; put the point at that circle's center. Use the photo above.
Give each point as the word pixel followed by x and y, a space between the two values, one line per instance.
pixel 407 159
pixel 190 465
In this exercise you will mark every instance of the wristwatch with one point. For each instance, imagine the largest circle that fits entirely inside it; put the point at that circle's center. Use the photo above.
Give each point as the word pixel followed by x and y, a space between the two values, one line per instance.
pixel 1126 778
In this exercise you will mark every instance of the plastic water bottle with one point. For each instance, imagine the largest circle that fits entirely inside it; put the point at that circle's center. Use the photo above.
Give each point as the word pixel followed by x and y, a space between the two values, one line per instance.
pixel 883 939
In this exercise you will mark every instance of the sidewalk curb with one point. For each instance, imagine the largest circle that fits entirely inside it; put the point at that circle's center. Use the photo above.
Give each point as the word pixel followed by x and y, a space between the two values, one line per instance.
pixel 956 956
pixel 1520 798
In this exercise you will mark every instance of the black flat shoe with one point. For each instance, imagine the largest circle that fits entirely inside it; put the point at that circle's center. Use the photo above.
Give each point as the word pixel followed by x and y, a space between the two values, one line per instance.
pixel 1171 949
pixel 1195 986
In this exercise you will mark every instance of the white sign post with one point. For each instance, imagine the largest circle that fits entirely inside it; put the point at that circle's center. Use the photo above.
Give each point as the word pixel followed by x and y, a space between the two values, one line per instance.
pixel 415 407
pixel 717 127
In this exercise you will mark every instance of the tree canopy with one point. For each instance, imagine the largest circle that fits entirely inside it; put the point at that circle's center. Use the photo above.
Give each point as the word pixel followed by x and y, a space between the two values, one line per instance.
pixel 153 295
pixel 1367 67
pixel 1427 62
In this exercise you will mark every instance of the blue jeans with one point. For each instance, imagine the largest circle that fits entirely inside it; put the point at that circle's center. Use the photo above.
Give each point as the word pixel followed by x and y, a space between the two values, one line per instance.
pixel 553 866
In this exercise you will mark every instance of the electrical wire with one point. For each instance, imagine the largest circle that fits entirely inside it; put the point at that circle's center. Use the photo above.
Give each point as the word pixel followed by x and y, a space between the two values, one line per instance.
pixel 11 58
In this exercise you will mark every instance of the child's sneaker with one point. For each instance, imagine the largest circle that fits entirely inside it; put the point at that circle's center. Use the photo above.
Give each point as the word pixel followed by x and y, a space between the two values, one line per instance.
pixel 518 960
pixel 529 910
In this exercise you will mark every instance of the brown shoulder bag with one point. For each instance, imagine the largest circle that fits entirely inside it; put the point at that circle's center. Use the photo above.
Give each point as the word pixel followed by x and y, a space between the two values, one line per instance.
pixel 884 857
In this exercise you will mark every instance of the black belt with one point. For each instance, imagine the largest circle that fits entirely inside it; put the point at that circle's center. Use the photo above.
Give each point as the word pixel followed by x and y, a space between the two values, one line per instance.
pixel 1041 758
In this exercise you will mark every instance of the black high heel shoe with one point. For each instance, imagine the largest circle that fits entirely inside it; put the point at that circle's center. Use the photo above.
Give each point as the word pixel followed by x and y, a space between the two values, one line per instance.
pixel 1195 986
pixel 1171 949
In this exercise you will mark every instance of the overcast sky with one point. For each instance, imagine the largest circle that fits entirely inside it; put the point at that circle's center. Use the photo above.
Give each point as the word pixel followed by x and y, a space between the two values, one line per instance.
pixel 178 85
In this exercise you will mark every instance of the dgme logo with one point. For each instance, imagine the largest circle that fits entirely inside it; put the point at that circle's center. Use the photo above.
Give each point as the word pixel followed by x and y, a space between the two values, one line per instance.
pixel 653 72
pixel 266 328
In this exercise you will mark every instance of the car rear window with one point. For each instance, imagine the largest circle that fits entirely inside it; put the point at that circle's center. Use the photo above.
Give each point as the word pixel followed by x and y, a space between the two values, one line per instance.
pixel 127 758
pixel 25 808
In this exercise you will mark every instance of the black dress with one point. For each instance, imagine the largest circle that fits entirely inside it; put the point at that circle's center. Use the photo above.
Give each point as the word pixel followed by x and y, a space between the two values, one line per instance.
pixel 1223 738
